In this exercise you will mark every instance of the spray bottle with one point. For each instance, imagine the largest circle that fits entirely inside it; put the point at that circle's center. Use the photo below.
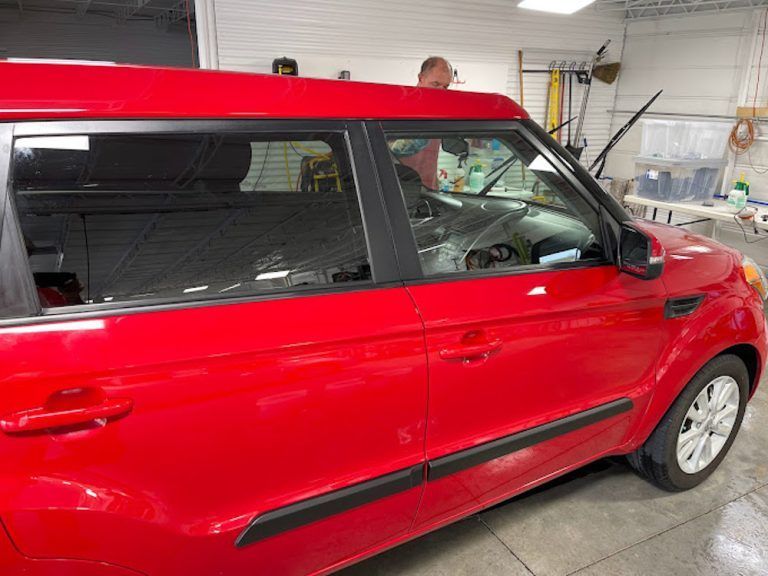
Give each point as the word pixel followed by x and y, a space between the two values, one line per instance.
pixel 737 198
pixel 476 177
pixel 445 183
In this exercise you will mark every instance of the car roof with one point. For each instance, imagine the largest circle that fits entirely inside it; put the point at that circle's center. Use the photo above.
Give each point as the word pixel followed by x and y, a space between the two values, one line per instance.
pixel 36 90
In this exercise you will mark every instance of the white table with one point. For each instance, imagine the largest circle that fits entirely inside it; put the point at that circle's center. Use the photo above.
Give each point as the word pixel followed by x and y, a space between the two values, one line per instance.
pixel 714 215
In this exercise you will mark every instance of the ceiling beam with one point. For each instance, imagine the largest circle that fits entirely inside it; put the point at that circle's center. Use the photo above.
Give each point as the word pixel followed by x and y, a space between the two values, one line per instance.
pixel 643 9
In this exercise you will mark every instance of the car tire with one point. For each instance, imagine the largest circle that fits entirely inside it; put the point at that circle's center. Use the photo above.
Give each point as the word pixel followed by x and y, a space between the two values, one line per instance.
pixel 689 443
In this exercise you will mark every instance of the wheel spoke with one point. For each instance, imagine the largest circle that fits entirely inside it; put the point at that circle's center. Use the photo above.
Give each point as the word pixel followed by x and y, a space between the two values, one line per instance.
pixel 696 458
pixel 726 412
pixel 725 394
pixel 685 450
pixel 722 430
pixel 695 415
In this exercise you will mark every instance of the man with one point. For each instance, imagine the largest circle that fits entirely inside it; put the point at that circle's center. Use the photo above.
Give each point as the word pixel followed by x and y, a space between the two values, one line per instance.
pixel 436 72
pixel 420 154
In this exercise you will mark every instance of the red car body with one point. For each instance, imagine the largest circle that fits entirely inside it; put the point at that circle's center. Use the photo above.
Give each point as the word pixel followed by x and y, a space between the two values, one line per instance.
pixel 319 441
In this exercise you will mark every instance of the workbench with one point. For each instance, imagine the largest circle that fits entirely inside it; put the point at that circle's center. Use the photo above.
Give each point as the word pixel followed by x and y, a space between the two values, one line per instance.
pixel 714 216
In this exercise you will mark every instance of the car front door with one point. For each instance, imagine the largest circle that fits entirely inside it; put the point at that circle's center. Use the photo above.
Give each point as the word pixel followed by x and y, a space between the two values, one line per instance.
pixel 541 353
pixel 208 367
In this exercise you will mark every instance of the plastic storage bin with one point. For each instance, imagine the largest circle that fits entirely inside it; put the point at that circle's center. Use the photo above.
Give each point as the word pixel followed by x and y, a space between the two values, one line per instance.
pixel 677 180
pixel 682 140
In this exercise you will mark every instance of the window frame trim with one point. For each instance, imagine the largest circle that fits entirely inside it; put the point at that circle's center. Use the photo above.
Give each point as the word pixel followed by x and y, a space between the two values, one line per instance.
pixel 407 248
pixel 379 244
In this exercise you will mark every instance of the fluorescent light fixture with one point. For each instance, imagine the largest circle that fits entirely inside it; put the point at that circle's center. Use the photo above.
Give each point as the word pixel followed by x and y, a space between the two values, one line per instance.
pixel 228 288
pixel 195 289
pixel 54 143
pixel 273 275
pixel 108 298
pixel 556 6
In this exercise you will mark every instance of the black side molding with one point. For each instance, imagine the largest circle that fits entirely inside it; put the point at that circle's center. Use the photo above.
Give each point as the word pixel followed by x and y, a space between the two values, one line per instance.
pixel 313 509
pixel 684 306
pixel 497 448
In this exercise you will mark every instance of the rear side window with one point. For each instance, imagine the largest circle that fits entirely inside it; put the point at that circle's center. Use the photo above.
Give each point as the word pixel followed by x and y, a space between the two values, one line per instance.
pixel 134 217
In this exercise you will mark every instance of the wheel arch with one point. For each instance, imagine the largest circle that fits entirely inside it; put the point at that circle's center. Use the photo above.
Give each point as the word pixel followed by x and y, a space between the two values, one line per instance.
pixel 741 331
pixel 751 358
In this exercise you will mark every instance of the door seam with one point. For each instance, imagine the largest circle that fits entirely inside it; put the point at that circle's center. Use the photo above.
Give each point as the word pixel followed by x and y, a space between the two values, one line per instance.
pixel 426 407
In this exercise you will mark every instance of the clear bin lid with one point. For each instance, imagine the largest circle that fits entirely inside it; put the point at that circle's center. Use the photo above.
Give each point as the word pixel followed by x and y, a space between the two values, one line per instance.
pixel 679 163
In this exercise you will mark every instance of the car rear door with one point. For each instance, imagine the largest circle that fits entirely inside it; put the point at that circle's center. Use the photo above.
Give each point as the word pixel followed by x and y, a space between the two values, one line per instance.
pixel 207 364
pixel 541 353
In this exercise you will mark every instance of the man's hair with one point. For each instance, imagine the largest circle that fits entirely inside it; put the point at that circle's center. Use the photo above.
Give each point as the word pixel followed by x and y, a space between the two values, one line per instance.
pixel 434 62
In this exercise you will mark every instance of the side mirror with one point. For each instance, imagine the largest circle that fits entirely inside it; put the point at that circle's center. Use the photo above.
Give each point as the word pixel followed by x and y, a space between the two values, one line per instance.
pixel 456 146
pixel 640 254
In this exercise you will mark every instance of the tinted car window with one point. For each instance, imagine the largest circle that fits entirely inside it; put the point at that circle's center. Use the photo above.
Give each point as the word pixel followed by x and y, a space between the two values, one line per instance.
pixel 186 216
pixel 489 202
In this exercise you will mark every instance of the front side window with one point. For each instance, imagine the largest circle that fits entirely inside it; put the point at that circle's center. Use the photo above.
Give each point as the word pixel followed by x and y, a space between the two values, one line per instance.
pixel 488 202
pixel 134 217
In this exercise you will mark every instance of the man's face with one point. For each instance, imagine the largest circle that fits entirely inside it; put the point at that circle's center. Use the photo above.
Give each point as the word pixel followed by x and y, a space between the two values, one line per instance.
pixel 437 77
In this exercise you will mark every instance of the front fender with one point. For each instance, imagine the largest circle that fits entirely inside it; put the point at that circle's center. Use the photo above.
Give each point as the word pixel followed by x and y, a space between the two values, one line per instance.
pixel 691 342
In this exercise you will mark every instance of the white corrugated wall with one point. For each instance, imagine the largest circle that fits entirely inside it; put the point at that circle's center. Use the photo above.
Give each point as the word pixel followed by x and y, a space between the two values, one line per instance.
pixel 30 34
pixel 698 61
pixel 250 34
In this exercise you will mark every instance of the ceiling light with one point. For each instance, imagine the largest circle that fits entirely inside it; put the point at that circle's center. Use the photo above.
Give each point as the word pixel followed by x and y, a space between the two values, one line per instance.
pixel 273 275
pixel 108 298
pixel 195 289
pixel 556 6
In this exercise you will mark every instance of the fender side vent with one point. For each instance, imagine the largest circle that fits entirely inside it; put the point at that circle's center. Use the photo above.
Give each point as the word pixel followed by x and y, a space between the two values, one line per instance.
pixel 685 306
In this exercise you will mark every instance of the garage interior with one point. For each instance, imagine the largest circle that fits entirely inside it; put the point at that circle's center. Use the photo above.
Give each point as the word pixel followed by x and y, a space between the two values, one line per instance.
pixel 709 58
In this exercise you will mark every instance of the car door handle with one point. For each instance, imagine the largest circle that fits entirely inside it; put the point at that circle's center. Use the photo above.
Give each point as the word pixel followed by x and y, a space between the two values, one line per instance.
pixel 469 351
pixel 40 418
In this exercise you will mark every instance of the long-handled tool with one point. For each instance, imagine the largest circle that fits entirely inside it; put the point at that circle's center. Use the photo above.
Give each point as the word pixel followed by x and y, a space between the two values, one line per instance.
pixel 575 149
pixel 603 156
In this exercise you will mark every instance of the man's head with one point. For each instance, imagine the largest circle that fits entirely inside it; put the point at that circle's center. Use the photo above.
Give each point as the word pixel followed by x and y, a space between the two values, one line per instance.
pixel 436 72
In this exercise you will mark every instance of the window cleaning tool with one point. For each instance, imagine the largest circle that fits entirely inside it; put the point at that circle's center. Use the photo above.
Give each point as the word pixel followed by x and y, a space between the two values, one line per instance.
pixel 587 81
pixel 603 156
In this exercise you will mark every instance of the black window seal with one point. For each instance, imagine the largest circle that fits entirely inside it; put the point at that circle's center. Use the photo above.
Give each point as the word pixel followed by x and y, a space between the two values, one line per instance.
pixel 402 233
pixel 381 255
pixel 405 241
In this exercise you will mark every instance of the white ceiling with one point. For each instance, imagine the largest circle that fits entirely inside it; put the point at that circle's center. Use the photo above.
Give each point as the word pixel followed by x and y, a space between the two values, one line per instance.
pixel 641 9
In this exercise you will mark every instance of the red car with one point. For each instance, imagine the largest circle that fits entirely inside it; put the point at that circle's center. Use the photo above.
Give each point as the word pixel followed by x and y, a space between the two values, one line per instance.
pixel 271 325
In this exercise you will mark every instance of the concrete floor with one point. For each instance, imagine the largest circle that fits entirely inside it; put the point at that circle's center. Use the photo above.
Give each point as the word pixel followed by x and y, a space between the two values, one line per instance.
pixel 605 520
